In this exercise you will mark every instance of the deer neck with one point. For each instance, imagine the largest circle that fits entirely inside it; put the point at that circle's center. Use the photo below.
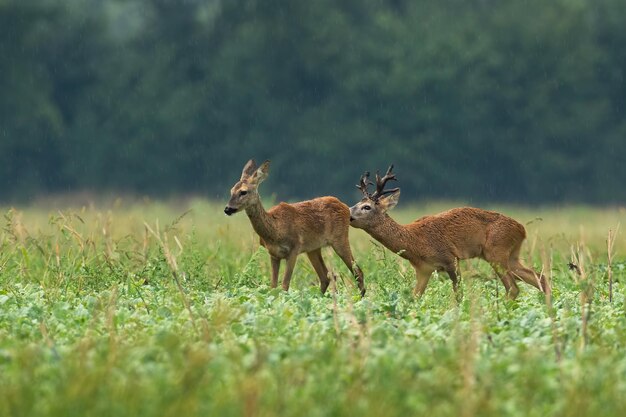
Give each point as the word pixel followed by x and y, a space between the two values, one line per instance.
pixel 392 235
pixel 262 223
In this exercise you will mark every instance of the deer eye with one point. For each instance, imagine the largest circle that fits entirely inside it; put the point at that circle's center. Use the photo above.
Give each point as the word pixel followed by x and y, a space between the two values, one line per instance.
pixel 243 192
pixel 367 207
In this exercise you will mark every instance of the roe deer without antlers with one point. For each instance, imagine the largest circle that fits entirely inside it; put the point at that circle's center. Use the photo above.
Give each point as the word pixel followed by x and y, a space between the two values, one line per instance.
pixel 438 242
pixel 287 230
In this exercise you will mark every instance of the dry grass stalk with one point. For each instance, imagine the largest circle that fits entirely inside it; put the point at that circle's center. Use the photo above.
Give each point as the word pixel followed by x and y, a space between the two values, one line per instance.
pixel 547 265
pixel 333 291
pixel 610 242
pixel 469 348
pixel 585 283
pixel 110 324
pixel 173 265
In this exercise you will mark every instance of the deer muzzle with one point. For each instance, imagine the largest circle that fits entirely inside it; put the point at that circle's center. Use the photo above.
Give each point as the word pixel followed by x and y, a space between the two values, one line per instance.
pixel 352 210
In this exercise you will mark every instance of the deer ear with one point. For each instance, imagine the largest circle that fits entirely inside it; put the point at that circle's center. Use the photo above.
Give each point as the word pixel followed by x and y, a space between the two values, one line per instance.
pixel 261 172
pixel 389 201
pixel 248 169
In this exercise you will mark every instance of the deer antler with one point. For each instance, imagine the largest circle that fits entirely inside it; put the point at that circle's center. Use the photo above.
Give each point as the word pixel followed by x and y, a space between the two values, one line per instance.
pixel 364 183
pixel 380 184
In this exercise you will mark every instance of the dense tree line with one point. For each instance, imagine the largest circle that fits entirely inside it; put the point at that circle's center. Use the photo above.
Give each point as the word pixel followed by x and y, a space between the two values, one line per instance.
pixel 475 99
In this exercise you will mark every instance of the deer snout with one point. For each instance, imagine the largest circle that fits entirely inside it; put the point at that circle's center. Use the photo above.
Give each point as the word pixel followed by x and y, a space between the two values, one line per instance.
pixel 352 210
pixel 230 210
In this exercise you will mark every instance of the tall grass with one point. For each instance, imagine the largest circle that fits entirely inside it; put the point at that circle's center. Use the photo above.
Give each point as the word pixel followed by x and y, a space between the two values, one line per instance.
pixel 151 309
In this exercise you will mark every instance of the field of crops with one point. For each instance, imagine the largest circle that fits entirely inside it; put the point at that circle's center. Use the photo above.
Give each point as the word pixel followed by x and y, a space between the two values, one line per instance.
pixel 146 309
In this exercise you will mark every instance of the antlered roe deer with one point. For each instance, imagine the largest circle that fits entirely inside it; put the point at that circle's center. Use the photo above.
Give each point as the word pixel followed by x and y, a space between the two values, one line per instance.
pixel 438 242
pixel 287 230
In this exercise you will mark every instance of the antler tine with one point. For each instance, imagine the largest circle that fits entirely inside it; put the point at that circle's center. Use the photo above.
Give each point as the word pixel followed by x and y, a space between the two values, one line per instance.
pixel 364 182
pixel 380 184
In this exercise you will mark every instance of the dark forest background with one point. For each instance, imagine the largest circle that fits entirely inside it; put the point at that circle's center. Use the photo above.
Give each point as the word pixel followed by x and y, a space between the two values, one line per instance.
pixel 481 100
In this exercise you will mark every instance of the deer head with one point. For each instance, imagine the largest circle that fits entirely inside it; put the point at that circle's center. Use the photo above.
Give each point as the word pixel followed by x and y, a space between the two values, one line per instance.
pixel 244 192
pixel 368 211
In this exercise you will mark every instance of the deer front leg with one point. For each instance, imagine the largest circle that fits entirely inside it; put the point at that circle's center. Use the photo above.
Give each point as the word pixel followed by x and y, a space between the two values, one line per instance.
pixel 454 278
pixel 453 272
pixel 275 269
pixel 422 275
pixel 291 263
pixel 507 278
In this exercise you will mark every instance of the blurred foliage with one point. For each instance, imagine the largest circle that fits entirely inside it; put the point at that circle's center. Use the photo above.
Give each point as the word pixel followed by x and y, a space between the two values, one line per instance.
pixel 92 323
pixel 471 99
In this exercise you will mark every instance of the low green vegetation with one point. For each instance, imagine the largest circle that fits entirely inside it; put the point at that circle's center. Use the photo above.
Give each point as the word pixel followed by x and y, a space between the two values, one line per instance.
pixel 149 309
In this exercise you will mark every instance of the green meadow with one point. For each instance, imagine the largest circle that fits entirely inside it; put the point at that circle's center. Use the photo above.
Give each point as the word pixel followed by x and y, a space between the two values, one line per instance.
pixel 139 308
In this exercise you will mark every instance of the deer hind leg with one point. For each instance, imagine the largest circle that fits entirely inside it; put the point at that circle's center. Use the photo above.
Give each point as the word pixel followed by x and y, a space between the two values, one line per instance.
pixel 343 250
pixel 317 261
pixel 291 263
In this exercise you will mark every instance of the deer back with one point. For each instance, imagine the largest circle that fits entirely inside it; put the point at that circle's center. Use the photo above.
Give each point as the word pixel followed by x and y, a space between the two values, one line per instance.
pixel 311 223
pixel 460 232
